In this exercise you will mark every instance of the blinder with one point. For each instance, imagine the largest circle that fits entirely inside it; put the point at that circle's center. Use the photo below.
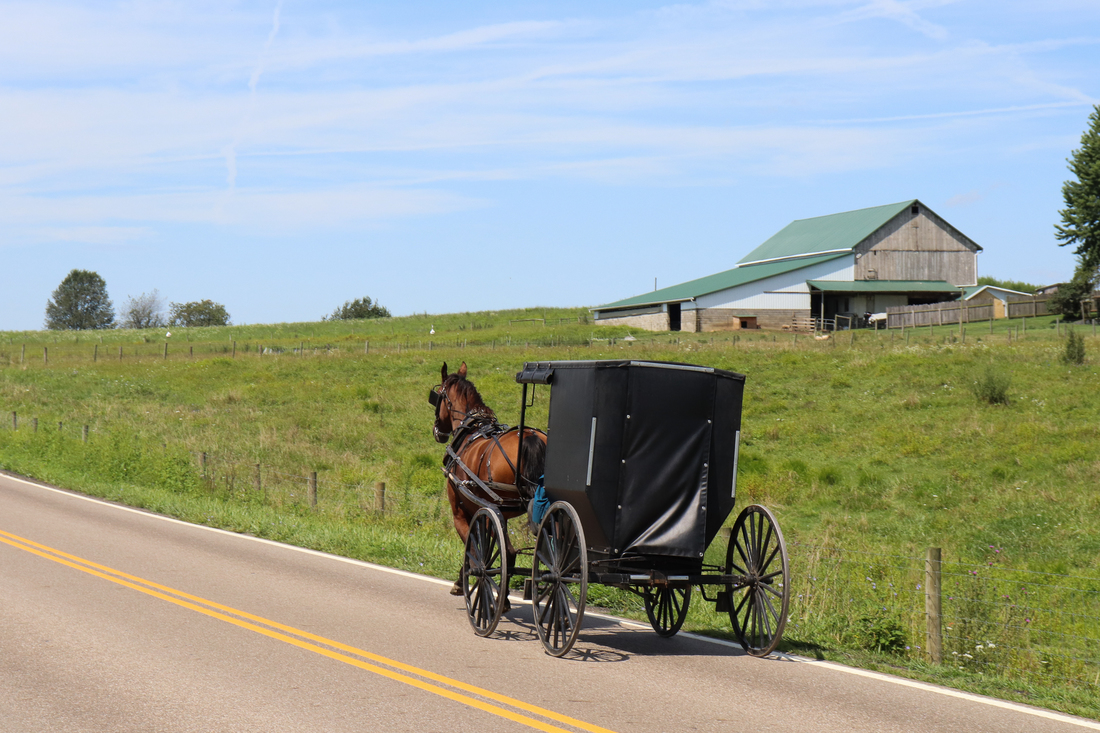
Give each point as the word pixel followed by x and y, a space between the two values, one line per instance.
pixel 434 398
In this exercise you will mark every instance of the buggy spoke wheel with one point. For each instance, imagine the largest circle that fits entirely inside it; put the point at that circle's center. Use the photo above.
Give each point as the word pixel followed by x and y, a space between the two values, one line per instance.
pixel 666 608
pixel 484 575
pixel 758 608
pixel 559 576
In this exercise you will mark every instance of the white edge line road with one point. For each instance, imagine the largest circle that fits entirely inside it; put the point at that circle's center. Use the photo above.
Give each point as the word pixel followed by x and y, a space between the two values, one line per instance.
pixel 1017 707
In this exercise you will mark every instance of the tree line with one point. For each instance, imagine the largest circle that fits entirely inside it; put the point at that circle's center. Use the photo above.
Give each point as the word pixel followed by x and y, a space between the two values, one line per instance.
pixel 81 303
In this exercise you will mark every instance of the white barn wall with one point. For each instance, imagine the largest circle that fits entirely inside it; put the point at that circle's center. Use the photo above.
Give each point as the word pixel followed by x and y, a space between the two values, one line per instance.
pixel 786 291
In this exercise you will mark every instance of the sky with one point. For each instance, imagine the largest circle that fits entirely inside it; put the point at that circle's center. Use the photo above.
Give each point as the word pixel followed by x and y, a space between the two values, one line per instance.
pixel 282 158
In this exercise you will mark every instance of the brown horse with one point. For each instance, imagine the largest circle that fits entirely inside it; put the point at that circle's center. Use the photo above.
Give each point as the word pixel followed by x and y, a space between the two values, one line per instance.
pixel 486 449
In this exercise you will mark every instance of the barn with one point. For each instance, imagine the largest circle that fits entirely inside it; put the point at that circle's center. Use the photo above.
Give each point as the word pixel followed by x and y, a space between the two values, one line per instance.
pixel 853 262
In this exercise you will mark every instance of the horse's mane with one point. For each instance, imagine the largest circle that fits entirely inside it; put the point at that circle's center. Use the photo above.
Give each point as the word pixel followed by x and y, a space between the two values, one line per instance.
pixel 467 391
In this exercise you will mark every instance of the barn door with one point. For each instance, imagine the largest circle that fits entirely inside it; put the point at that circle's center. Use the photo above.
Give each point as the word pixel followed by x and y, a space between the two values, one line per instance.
pixel 673 316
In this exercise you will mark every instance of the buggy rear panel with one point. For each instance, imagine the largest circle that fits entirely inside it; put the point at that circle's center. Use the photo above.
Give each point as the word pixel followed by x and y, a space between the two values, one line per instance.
pixel 646 452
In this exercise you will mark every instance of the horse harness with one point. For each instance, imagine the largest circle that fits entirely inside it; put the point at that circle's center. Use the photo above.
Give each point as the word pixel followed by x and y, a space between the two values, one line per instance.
pixel 478 424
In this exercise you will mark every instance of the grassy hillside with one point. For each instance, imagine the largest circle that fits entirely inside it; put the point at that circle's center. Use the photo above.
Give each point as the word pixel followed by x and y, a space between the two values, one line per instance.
pixel 870 448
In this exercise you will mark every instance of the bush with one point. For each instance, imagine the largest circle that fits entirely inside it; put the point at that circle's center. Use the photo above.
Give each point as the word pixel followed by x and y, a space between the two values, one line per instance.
pixel 1075 348
pixel 198 313
pixel 992 387
pixel 880 632
pixel 358 308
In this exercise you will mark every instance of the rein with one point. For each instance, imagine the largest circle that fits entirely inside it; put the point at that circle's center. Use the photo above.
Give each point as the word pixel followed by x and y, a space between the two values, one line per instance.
pixel 477 424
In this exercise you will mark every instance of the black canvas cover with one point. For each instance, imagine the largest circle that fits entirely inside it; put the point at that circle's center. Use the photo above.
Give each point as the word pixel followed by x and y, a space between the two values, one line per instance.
pixel 644 451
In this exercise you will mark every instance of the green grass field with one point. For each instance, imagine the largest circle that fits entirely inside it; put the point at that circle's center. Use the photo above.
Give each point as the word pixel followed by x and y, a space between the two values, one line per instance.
pixel 869 447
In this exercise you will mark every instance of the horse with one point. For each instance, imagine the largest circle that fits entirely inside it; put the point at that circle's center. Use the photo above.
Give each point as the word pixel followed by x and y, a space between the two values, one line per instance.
pixel 483 448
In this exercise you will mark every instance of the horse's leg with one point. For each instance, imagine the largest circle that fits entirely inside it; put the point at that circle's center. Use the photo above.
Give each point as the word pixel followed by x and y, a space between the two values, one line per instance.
pixel 458 514
pixel 462 526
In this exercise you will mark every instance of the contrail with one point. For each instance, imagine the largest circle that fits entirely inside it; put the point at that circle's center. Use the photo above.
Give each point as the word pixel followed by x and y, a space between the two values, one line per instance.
pixel 230 151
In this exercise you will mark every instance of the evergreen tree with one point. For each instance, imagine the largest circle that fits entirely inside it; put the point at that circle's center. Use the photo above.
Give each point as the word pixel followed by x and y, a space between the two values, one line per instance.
pixel 80 303
pixel 1081 217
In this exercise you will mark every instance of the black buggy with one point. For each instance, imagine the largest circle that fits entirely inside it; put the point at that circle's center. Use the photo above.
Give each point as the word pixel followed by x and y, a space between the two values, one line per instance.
pixel 641 473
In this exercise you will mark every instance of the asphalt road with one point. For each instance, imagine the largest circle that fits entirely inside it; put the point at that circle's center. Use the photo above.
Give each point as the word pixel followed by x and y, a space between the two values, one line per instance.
pixel 113 619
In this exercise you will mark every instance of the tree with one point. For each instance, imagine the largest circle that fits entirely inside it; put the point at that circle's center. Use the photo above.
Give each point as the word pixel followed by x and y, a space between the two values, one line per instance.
pixel 80 303
pixel 1009 284
pixel 1067 301
pixel 1081 217
pixel 359 308
pixel 144 311
pixel 200 313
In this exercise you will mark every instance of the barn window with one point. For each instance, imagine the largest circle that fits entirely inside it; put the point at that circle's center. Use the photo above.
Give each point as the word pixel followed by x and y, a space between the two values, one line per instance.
pixel 914 210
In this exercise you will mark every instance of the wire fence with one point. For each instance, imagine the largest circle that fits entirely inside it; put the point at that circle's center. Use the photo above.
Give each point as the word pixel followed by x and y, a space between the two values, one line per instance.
pixel 1037 626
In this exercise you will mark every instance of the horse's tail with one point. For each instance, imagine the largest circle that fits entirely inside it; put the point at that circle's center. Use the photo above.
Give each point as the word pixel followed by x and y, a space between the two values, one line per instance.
pixel 532 450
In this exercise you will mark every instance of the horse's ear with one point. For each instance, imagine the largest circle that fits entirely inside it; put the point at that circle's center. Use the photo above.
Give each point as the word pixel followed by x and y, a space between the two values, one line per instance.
pixel 462 370
pixel 444 372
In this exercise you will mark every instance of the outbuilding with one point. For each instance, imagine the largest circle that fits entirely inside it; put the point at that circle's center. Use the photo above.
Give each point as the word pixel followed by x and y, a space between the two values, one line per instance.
pixel 815 269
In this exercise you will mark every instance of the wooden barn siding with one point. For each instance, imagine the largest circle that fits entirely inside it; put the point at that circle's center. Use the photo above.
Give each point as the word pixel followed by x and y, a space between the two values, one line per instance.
pixel 721 319
pixel 921 247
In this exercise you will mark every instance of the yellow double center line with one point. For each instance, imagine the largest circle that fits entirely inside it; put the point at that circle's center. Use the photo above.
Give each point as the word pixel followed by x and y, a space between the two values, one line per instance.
pixel 423 679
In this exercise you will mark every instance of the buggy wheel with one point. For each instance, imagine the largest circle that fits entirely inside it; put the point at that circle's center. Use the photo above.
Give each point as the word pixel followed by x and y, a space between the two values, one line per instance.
pixel 559 578
pixel 484 574
pixel 758 608
pixel 667 608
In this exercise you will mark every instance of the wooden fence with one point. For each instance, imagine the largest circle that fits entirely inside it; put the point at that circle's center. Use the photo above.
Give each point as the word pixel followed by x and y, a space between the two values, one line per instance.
pixel 1035 305
pixel 937 314
pixel 958 311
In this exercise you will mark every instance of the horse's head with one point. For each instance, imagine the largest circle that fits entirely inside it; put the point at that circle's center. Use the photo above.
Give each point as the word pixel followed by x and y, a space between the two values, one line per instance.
pixel 451 402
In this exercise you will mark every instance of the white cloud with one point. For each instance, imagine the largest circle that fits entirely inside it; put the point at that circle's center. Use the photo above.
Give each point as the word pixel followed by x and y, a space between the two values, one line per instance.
pixel 149 112
pixel 102 235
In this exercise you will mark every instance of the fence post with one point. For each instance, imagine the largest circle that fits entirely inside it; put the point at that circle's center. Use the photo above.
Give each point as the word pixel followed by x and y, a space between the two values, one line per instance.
pixel 95 353
pixel 380 497
pixel 933 606
pixel 23 354
pixel 60 426
pixel 191 351
pixel 202 463
pixel 312 493
pixel 14 420
pixel 34 424
pixel 259 484
pixel 45 355
pixel 165 349
pixel 84 434
pixel 366 347
pixel 120 353
pixel 234 349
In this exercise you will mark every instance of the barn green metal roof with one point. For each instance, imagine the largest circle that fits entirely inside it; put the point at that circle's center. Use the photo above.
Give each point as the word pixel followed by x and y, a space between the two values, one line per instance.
pixel 719 281
pixel 823 234
pixel 884 286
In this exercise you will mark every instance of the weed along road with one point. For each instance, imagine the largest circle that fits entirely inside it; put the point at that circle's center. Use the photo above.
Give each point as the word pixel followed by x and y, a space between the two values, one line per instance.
pixel 115 619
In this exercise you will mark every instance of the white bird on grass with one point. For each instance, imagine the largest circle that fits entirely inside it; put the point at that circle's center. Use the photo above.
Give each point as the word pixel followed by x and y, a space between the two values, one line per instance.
pixel 432 332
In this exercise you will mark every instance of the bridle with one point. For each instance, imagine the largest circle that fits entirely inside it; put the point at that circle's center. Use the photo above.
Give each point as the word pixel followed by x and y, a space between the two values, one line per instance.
pixel 437 395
